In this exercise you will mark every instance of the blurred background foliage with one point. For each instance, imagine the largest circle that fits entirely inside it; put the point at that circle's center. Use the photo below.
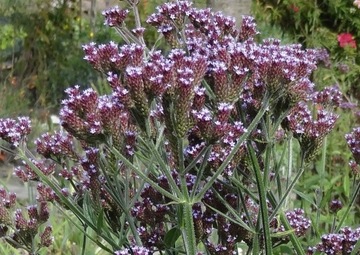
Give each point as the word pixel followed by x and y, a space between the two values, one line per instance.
pixel 40 49
pixel 41 52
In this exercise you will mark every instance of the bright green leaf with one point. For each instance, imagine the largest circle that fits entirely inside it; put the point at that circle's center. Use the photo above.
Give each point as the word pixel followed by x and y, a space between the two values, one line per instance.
pixel 172 236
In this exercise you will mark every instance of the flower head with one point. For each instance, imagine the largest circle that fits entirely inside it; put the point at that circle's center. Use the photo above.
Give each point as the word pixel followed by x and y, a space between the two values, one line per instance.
pixel 115 16
pixel 294 8
pixel 353 141
pixel 335 205
pixel 14 131
pixel 341 243
pixel 346 39
pixel 357 3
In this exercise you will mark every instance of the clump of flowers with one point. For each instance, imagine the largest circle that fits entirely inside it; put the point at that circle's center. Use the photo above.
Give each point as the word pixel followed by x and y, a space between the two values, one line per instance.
pixel 14 131
pixel 357 3
pixel 335 205
pixel 354 143
pixel 178 147
pixel 346 40
pixel 341 243
pixel 21 229
pixel 297 221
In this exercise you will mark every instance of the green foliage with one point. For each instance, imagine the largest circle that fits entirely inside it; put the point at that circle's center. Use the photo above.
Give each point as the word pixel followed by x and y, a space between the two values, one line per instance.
pixel 319 24
pixel 42 48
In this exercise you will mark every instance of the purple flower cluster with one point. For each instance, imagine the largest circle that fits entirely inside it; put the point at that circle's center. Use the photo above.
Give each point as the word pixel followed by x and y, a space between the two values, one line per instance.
pixel 134 250
pixel 310 130
pixel 19 230
pixel 169 18
pixel 14 131
pixel 341 243
pixel 7 202
pixel 109 57
pixel 353 141
pixel 335 205
pixel 90 118
pixel 27 228
pixel 58 145
pixel 328 96
pixel 234 65
pixel 115 16
pixel 297 221
pixel 302 122
pixel 26 173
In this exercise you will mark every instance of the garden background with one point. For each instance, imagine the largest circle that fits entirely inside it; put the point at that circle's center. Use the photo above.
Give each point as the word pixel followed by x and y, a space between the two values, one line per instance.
pixel 41 56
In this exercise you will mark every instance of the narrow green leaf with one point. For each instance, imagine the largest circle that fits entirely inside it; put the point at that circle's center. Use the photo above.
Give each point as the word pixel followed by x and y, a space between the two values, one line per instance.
pixel 308 198
pixel 172 236
pixel 164 166
pixel 204 151
pixel 144 176
pixel 287 193
pixel 96 241
pixel 241 186
pixel 88 209
pixel 262 199
pixel 200 171
pixel 282 234
pixel 284 249
pixel 100 221
pixel 356 249
pixel 237 221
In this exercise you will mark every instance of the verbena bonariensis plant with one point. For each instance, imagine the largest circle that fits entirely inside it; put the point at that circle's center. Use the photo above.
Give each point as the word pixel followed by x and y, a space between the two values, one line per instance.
pixel 182 157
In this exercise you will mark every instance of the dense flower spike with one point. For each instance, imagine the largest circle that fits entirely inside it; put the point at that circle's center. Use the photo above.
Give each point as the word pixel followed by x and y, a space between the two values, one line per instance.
pixel 59 144
pixel 26 173
pixel 115 16
pixel 297 221
pixel 248 28
pixel 14 131
pixel 335 205
pixel 7 202
pixel 341 243
pixel 310 130
pixel 46 239
pixel 353 141
pixel 134 250
pixel 23 226
pixel 328 96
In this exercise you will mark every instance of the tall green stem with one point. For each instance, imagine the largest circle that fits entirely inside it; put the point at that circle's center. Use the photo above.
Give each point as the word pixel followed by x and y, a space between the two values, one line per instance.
pixel 323 158
pixel 289 168
pixel 262 198
pixel 188 233
pixel 237 146
pixel 346 214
